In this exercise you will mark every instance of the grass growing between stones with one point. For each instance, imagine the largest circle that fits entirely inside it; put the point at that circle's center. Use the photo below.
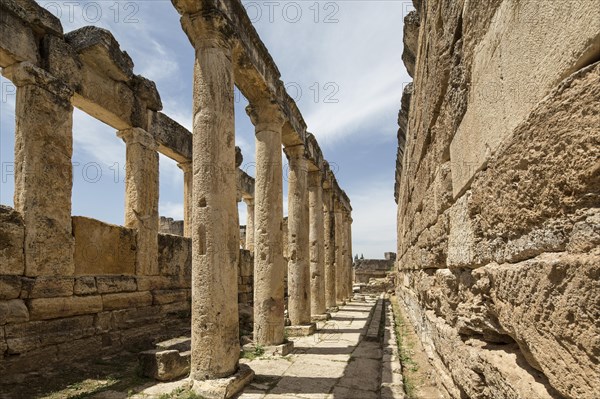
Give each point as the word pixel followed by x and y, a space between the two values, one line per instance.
pixel 180 393
pixel 405 351
pixel 255 353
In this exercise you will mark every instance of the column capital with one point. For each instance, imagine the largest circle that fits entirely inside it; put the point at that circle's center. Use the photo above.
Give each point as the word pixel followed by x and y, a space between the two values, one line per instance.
pixel 137 135
pixel 25 73
pixel 296 151
pixel 186 167
pixel 206 28
pixel 266 114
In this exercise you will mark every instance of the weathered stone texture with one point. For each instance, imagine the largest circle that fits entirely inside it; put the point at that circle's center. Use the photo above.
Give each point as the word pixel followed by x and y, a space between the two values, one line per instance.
pixel 12 233
pixel 53 308
pixel 43 150
pixel 498 229
pixel 101 248
pixel 174 255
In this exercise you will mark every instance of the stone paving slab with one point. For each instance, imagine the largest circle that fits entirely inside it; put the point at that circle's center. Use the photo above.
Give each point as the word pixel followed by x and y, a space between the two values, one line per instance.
pixel 334 363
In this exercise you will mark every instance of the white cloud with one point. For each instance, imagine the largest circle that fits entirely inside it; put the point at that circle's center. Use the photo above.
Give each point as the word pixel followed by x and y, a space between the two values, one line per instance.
pixel 171 210
pixel 374 220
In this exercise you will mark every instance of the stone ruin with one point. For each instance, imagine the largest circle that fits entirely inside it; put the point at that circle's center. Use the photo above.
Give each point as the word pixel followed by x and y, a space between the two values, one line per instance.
pixel 498 191
pixel 72 288
pixel 366 269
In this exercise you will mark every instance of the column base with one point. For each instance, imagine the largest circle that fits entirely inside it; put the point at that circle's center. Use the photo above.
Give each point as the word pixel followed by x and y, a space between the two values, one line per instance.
pixel 273 350
pixel 342 303
pixel 333 309
pixel 224 388
pixel 301 330
pixel 321 317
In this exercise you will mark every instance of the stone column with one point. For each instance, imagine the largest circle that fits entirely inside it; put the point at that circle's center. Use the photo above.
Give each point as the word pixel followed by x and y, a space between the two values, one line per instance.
pixel 249 224
pixel 268 215
pixel 317 247
pixel 141 197
pixel 298 234
pixel 329 241
pixel 350 259
pixel 188 179
pixel 339 253
pixel 215 230
pixel 43 169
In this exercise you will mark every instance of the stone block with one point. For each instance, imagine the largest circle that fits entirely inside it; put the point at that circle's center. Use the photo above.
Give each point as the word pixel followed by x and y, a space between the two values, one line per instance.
pixel 12 233
pixel 153 283
pixel 102 249
pixel 136 317
pixel 103 321
pixel 18 41
pixel 10 287
pixel 301 330
pixel 181 308
pixel 85 286
pixel 174 255
pixel 512 225
pixel 25 337
pixel 169 296
pixel 126 300
pixel 53 308
pixel 224 387
pixel 509 78
pixel 13 311
pixel 79 349
pixel 112 284
pixel 3 345
pixel 164 365
pixel 46 287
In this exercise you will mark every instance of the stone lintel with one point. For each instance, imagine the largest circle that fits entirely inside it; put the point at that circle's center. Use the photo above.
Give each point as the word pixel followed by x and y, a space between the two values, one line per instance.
pixel 38 18
pixel 25 73
pixel 174 140
pixel 99 47
pixel 301 330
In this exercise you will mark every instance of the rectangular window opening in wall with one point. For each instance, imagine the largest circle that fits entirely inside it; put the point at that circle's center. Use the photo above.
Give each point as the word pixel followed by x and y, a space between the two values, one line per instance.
pixel 171 196
pixel 8 94
pixel 98 170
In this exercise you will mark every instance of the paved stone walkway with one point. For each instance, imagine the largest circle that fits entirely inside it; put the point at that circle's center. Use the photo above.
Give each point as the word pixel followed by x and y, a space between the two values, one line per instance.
pixel 338 362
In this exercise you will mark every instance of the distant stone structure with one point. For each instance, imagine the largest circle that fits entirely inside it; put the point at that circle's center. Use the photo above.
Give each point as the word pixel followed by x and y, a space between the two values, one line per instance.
pixel 366 269
pixel 498 191
pixel 170 226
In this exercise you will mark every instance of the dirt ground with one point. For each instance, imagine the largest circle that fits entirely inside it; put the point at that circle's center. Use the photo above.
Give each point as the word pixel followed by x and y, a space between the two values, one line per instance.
pixel 96 379
pixel 419 375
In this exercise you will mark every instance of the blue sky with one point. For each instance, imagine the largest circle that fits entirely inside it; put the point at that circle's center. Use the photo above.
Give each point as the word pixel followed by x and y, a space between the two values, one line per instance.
pixel 340 60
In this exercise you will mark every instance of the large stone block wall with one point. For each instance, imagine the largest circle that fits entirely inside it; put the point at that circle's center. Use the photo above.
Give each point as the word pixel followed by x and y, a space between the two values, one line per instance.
pixel 104 308
pixel 498 190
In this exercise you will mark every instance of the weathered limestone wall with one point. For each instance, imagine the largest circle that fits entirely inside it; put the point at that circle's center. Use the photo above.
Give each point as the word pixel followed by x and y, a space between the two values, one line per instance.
pixel 365 269
pixel 101 309
pixel 498 195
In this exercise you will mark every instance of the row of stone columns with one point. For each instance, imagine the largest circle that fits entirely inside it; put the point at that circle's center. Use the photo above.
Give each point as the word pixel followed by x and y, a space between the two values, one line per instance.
pixel 316 265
